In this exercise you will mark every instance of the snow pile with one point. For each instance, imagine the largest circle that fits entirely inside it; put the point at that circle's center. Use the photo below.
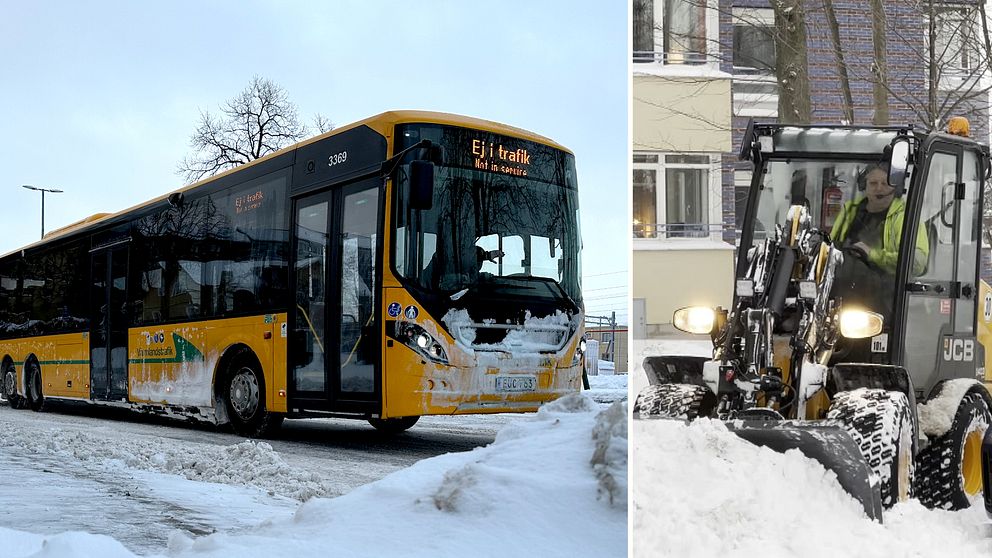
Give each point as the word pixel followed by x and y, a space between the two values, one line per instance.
pixel 553 484
pixel 248 463
pixel 701 491
pixel 546 487
pixel 16 544
pixel 607 389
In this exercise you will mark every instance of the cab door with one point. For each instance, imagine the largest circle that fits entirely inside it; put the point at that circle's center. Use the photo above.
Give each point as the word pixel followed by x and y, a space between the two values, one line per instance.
pixel 939 301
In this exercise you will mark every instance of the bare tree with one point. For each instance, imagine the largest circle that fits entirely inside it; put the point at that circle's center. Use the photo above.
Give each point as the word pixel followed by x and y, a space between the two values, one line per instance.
pixel 792 62
pixel 322 124
pixel 258 121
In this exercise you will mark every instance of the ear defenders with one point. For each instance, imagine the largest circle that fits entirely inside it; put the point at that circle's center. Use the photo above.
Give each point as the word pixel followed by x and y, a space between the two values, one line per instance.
pixel 883 165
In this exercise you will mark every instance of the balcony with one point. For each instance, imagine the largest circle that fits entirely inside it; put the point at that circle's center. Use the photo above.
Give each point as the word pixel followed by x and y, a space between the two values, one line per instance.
pixel 659 231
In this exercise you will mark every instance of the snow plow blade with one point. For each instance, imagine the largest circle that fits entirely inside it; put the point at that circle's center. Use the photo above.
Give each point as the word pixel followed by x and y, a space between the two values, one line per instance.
pixel 828 444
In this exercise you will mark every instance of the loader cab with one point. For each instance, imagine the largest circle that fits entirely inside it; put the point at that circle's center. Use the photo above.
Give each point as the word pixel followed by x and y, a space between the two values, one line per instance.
pixel 912 258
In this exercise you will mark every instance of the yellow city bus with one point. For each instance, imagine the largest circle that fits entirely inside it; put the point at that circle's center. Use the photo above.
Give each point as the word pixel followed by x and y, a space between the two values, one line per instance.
pixel 413 263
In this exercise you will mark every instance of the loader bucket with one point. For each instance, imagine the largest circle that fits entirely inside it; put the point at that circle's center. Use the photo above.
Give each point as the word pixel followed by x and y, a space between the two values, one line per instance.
pixel 826 443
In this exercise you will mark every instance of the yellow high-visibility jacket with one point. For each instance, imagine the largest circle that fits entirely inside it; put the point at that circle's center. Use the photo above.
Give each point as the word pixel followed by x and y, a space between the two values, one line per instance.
pixel 886 256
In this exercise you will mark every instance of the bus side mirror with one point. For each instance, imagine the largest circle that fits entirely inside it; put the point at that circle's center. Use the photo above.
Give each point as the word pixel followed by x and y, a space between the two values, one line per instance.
pixel 421 184
pixel 898 163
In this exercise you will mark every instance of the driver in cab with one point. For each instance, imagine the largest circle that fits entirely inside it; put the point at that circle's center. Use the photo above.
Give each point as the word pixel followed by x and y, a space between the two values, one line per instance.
pixel 871 225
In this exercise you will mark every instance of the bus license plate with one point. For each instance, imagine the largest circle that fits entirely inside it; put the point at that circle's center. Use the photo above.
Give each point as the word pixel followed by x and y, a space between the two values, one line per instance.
pixel 516 383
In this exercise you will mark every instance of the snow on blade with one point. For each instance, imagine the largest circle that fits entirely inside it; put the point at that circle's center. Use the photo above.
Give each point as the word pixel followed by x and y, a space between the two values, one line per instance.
pixel 701 491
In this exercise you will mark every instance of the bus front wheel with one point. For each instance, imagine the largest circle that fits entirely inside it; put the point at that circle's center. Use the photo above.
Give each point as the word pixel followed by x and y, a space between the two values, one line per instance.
pixel 393 425
pixel 244 397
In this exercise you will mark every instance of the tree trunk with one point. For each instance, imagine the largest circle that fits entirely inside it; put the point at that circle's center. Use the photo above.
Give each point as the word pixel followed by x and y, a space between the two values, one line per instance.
pixel 791 62
pixel 845 82
pixel 880 67
pixel 934 77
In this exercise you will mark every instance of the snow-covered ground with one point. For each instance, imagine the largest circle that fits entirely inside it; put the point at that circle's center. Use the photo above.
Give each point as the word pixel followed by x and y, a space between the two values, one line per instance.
pixel 551 484
pixel 700 491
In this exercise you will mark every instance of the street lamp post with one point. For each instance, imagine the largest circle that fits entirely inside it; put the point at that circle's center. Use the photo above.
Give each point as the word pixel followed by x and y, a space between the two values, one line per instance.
pixel 42 190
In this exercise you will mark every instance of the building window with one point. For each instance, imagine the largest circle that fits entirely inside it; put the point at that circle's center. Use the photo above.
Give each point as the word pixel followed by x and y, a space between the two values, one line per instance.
pixel 754 41
pixel 643 19
pixel 685 32
pixel 674 31
pixel 755 86
pixel 957 47
pixel 670 195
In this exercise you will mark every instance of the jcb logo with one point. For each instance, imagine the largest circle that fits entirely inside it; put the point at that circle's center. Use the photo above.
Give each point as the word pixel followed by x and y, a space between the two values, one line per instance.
pixel 959 350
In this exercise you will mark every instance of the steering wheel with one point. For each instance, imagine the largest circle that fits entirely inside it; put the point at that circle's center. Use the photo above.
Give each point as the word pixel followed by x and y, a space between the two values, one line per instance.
pixel 856 253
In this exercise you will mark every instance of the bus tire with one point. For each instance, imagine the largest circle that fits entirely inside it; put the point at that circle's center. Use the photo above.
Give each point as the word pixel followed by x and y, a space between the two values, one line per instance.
pixel 951 466
pixel 8 381
pixel 393 425
pixel 35 389
pixel 243 392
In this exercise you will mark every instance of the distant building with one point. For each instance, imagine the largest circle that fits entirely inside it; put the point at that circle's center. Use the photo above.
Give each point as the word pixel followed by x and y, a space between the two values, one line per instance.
pixel 682 128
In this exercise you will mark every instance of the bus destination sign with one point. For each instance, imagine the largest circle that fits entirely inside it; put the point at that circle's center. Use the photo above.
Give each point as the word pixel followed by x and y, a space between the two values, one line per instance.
pixel 248 202
pixel 494 157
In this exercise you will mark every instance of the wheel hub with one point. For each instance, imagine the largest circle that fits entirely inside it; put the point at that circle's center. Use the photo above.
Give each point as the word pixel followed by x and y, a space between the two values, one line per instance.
pixel 971 462
pixel 244 393
pixel 9 381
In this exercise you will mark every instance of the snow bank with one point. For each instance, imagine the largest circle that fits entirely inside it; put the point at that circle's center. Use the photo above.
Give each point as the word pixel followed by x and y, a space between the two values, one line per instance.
pixel 17 544
pixel 552 485
pixel 248 463
pixel 607 389
pixel 700 491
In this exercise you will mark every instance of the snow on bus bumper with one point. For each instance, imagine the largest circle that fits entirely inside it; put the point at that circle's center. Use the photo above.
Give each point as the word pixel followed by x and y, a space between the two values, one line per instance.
pixel 446 390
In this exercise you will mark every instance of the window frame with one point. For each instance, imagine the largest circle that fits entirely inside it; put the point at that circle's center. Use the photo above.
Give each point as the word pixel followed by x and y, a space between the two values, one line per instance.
pixel 710 189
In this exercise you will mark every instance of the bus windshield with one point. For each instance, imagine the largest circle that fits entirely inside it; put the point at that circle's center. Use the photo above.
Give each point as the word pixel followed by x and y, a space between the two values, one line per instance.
pixel 504 219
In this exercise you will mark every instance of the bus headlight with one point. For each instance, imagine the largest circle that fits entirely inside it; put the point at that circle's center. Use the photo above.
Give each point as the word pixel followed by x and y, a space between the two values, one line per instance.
pixel 694 319
pixel 858 324
pixel 415 337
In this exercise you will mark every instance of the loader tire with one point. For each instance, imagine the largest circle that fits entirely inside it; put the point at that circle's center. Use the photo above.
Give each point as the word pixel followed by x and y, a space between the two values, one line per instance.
pixel 881 423
pixel 950 468
pixel 683 401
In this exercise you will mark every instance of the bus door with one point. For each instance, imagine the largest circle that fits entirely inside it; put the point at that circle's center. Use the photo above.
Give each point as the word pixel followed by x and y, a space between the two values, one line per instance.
pixel 108 323
pixel 335 349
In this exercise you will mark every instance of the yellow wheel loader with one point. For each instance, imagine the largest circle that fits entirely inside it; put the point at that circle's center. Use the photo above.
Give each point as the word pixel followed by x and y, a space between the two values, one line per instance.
pixel 859 324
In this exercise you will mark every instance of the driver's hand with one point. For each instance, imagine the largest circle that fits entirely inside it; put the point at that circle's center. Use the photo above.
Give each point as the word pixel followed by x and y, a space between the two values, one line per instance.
pixel 862 247
pixel 491 255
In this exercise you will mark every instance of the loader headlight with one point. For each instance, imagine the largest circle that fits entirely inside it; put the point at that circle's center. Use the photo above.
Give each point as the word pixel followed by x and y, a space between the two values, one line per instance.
pixel 858 324
pixel 694 319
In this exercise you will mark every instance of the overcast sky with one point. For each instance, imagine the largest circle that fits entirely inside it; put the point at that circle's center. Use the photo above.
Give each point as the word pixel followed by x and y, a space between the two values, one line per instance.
pixel 100 98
